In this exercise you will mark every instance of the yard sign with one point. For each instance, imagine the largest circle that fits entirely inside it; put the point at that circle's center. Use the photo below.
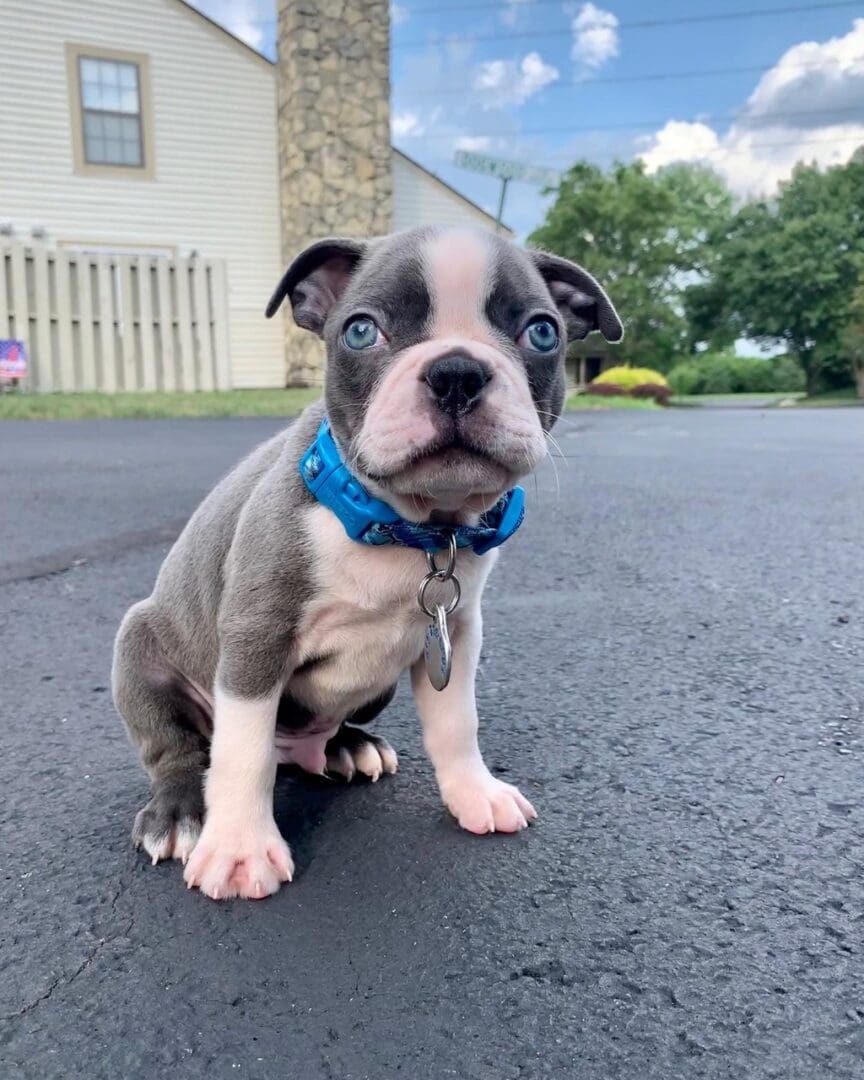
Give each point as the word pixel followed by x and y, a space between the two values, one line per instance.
pixel 13 359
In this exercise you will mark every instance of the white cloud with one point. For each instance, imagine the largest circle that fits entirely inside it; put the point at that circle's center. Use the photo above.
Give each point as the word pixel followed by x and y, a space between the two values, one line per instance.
pixel 406 123
pixel 680 140
pixel 595 36
pixel 825 79
pixel 800 110
pixel 399 14
pixel 246 19
pixel 473 142
pixel 511 82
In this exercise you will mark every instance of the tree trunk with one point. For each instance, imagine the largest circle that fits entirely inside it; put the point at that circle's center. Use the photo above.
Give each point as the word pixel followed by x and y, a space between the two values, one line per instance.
pixel 811 375
pixel 859 379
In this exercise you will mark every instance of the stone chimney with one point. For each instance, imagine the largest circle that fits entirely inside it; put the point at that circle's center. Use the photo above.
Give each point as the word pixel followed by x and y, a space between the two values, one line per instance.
pixel 334 137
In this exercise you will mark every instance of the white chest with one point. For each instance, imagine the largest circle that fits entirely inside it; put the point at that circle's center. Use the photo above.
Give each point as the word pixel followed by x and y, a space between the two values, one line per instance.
pixel 364 627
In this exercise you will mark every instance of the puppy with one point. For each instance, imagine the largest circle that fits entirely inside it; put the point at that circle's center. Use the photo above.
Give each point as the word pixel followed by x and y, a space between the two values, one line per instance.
pixel 274 631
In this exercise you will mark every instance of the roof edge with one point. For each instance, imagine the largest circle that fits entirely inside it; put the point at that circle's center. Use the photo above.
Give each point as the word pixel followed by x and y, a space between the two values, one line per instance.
pixel 262 59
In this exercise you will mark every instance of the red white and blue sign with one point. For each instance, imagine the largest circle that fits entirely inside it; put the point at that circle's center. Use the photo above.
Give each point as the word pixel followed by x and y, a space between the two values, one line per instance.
pixel 13 359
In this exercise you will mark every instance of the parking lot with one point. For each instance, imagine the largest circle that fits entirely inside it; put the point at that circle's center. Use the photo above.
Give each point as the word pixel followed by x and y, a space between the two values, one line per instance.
pixel 674 674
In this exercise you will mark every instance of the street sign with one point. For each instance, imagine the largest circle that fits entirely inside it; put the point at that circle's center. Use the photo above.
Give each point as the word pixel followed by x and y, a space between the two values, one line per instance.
pixel 506 170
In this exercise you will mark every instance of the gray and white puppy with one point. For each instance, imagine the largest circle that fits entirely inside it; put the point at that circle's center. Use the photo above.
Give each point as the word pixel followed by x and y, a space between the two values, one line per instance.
pixel 270 635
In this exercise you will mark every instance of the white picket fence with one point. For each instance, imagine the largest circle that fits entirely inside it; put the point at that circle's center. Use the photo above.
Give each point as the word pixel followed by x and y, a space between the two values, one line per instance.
pixel 116 322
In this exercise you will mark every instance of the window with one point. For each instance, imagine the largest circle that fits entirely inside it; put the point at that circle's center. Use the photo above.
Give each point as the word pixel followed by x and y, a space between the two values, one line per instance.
pixel 109 94
pixel 111 111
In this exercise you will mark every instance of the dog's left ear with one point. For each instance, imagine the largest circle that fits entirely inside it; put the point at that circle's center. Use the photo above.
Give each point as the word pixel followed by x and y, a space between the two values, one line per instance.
pixel 579 297
pixel 316 280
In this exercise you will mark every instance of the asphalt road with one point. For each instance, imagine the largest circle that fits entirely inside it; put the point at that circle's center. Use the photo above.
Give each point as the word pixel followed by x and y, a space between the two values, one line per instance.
pixel 673 672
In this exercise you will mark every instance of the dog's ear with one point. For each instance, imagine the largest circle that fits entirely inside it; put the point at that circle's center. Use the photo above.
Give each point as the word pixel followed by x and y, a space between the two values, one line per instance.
pixel 579 297
pixel 316 280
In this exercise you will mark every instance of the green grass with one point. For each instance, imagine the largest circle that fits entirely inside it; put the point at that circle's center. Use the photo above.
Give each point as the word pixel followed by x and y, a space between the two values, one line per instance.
pixel 723 399
pixel 595 401
pixel 15 406
pixel 831 399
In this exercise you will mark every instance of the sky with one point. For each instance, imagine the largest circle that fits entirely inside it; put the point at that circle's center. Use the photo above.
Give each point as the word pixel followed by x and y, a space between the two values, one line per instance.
pixel 550 82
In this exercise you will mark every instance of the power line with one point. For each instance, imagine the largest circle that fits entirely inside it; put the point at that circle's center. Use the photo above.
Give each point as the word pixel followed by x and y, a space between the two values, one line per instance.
pixel 635 124
pixel 645 24
pixel 780 145
pixel 717 150
pixel 657 76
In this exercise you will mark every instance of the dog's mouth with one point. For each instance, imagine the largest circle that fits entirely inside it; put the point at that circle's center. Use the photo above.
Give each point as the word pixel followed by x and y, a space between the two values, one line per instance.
pixel 450 474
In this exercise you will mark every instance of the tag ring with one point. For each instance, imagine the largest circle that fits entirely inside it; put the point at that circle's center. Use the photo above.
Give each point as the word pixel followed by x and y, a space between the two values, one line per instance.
pixel 424 585
pixel 443 572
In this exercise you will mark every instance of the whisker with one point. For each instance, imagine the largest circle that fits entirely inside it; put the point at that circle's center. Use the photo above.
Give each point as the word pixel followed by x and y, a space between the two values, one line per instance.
pixel 554 442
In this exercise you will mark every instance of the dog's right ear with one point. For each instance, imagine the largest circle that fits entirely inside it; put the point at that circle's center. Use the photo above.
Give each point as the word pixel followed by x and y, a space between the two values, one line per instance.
pixel 316 280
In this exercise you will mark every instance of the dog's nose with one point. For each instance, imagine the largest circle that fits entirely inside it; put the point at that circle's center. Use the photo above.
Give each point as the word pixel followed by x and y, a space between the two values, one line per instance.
pixel 457 383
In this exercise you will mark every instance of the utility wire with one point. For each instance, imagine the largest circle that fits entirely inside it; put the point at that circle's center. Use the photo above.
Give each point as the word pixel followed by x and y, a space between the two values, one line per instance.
pixel 646 24
pixel 656 76
pixel 497 5
pixel 743 151
pixel 721 150
pixel 633 125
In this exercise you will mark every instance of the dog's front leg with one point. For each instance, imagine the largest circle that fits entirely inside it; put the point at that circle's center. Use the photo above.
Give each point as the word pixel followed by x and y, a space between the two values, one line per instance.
pixel 240 851
pixel 478 801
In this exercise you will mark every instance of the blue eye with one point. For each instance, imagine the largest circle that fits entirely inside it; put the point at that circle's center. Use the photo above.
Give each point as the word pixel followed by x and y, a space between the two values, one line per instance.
pixel 361 333
pixel 542 336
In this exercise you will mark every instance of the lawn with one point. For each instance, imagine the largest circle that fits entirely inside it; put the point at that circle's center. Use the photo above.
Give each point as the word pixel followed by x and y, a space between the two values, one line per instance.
pixel 832 398
pixel 733 399
pixel 14 406
pixel 596 401
pixel 798 400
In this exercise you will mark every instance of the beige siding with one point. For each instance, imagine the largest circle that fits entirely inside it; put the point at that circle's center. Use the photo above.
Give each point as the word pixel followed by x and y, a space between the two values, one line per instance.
pixel 215 188
pixel 421 199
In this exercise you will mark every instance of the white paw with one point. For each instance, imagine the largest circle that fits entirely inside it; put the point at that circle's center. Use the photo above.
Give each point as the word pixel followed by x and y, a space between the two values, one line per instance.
pixel 246 860
pixel 482 804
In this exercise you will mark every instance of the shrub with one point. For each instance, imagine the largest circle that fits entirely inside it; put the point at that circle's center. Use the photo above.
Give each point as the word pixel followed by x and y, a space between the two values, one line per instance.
pixel 660 394
pixel 605 389
pixel 627 377
pixel 686 379
pixel 723 373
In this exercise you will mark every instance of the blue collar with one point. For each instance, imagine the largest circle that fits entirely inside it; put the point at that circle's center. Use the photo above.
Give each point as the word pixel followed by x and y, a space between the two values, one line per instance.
pixel 371 521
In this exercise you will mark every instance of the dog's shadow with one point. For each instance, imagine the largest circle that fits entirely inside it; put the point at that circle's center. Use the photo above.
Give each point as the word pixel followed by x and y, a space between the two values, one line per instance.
pixel 300 805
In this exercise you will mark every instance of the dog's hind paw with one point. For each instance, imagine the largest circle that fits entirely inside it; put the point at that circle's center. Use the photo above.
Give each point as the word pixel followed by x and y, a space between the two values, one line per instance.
pixel 164 832
pixel 353 752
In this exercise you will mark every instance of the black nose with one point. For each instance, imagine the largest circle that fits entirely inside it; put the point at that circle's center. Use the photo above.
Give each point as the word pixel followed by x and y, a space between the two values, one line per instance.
pixel 457 383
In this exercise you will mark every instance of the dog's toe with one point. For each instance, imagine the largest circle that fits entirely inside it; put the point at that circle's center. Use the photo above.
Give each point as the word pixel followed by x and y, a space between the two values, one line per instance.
pixel 483 804
pixel 353 752
pixel 231 861
pixel 165 831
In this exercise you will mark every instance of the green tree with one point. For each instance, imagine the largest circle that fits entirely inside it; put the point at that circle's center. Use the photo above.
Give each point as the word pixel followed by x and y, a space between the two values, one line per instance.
pixel 646 238
pixel 852 337
pixel 786 267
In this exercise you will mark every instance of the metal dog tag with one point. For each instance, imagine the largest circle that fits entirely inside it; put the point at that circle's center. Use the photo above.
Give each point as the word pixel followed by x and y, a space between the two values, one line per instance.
pixel 437 650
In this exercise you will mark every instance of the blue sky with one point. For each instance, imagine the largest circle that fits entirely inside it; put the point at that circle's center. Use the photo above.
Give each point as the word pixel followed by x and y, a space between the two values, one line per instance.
pixel 486 75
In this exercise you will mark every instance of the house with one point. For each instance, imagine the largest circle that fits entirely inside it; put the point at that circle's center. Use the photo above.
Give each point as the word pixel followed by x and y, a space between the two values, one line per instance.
pixel 142 128
pixel 587 359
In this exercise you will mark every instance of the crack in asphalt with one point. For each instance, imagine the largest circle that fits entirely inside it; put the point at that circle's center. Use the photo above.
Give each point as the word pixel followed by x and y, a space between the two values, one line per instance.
pixel 59 562
pixel 68 979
